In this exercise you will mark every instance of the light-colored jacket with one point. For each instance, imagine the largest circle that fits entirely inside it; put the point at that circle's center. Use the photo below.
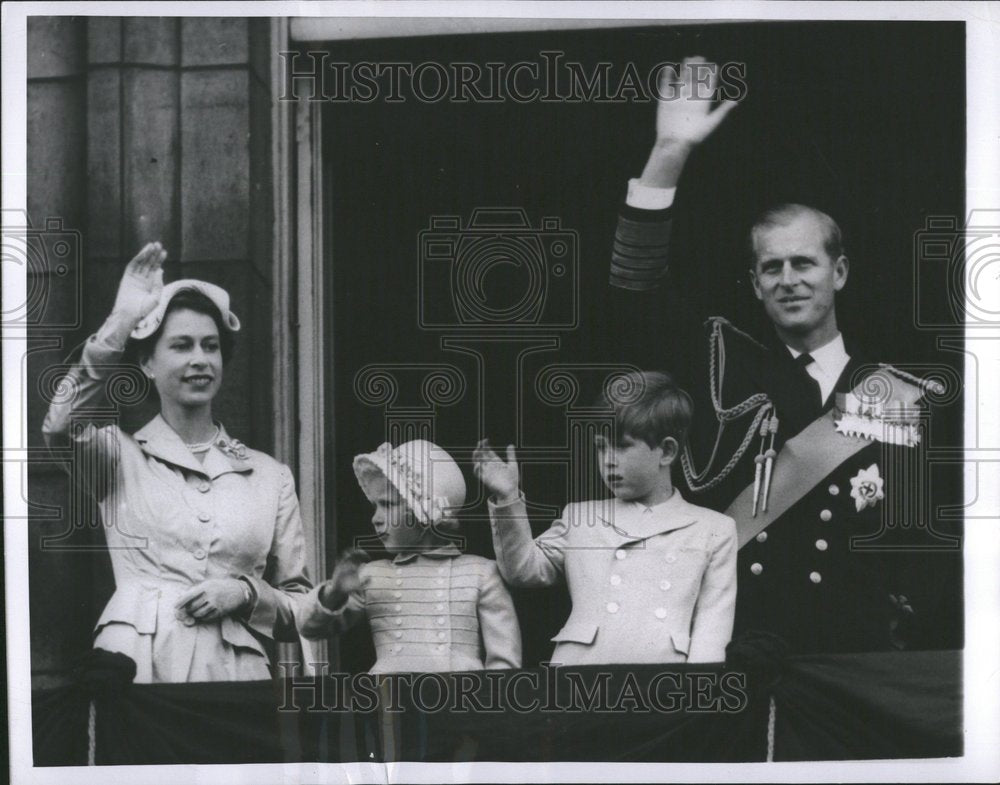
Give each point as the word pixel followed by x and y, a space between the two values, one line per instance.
pixel 434 611
pixel 647 584
pixel 171 522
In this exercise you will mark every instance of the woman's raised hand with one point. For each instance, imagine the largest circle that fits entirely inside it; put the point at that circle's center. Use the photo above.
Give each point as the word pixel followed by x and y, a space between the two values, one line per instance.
pixel 140 287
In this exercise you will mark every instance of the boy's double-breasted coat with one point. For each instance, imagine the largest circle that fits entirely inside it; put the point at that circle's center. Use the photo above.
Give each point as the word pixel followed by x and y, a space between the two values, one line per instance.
pixel 648 584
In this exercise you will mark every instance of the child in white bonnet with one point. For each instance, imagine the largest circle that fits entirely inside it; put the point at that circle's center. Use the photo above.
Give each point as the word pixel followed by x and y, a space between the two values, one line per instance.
pixel 431 608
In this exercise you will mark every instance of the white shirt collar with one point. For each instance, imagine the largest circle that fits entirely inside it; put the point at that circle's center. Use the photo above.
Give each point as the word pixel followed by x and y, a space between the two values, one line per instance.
pixel 828 356
pixel 829 361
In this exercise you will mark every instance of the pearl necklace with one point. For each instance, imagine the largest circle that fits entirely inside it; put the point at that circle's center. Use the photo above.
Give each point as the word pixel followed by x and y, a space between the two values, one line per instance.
pixel 206 445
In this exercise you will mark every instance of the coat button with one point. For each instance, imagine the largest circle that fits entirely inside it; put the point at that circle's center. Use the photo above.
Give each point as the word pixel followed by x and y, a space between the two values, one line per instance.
pixel 825 515
pixel 616 580
pixel 619 554
pixel 834 490
pixel 397 594
pixel 439 606
pixel 199 553
pixel 440 647
pixel 440 581
pixel 821 545
pixel 612 607
pixel 762 537
pixel 440 594
pixel 660 613
pixel 398 570
pixel 204 517
pixel 399 581
pixel 441 620
pixel 442 636
pixel 756 568
pixel 398 634
pixel 204 487
pixel 815 577
pixel 665 585
pixel 397 607
pixel 671 558
pixel 399 622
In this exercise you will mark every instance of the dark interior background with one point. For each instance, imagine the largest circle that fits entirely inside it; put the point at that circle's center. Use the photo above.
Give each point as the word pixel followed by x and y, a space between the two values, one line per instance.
pixel 863 120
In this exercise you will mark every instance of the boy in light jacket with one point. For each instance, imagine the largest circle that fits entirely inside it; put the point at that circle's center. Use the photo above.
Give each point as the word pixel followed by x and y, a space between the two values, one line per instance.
pixel 652 578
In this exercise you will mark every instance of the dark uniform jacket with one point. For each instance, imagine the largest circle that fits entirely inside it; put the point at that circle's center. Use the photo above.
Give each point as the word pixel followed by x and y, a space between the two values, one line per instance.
pixel 827 574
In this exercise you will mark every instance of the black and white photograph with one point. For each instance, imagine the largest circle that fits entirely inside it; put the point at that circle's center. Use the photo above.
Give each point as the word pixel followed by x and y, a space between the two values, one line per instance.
pixel 501 392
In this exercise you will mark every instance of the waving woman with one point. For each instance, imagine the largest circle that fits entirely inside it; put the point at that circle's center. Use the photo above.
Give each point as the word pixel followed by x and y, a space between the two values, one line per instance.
pixel 205 536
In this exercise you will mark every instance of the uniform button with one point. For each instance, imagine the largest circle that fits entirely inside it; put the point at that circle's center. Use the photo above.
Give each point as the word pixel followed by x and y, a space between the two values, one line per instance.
pixel 440 620
pixel 834 490
pixel 671 558
pixel 440 647
pixel 439 606
pixel 397 607
pixel 399 622
pixel 821 545
pixel 204 487
pixel 762 537
pixel 204 517
pixel 815 577
pixel 619 554
pixel 756 568
pixel 612 607
pixel 441 636
pixel 199 553
pixel 440 594
pixel 616 579
pixel 664 585
pixel 399 581
pixel 440 581
pixel 397 594
pixel 661 613
pixel 825 515
pixel 398 634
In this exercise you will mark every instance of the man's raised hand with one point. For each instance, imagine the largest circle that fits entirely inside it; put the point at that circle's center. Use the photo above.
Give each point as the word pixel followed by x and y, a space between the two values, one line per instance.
pixel 685 117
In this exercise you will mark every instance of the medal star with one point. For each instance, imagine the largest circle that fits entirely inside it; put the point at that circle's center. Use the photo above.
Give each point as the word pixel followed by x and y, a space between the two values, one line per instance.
pixel 867 487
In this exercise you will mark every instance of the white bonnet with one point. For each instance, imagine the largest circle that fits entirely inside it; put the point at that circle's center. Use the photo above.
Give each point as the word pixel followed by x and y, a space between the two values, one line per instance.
pixel 425 475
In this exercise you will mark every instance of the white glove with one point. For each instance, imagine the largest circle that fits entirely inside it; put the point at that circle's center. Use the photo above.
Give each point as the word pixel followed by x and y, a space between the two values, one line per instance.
pixel 140 287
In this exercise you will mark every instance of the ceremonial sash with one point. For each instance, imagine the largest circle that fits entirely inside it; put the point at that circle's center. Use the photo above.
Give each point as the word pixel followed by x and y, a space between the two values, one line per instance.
pixel 800 465
pixel 804 461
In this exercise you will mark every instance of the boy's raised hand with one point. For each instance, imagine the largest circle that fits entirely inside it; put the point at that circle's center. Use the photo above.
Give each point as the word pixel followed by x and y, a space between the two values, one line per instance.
pixel 500 477
pixel 345 581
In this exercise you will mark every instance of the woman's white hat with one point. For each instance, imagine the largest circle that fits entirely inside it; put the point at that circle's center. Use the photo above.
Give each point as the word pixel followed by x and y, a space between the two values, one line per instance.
pixel 426 476
pixel 219 297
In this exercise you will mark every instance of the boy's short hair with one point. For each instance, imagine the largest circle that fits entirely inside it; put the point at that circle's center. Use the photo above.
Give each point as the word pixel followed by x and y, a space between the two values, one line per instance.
pixel 648 405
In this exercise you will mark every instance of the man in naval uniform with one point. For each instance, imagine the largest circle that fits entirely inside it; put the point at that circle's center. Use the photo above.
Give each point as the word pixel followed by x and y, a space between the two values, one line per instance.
pixel 804 443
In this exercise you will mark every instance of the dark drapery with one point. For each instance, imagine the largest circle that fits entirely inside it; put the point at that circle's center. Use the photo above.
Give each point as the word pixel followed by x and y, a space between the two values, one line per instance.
pixel 861 706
